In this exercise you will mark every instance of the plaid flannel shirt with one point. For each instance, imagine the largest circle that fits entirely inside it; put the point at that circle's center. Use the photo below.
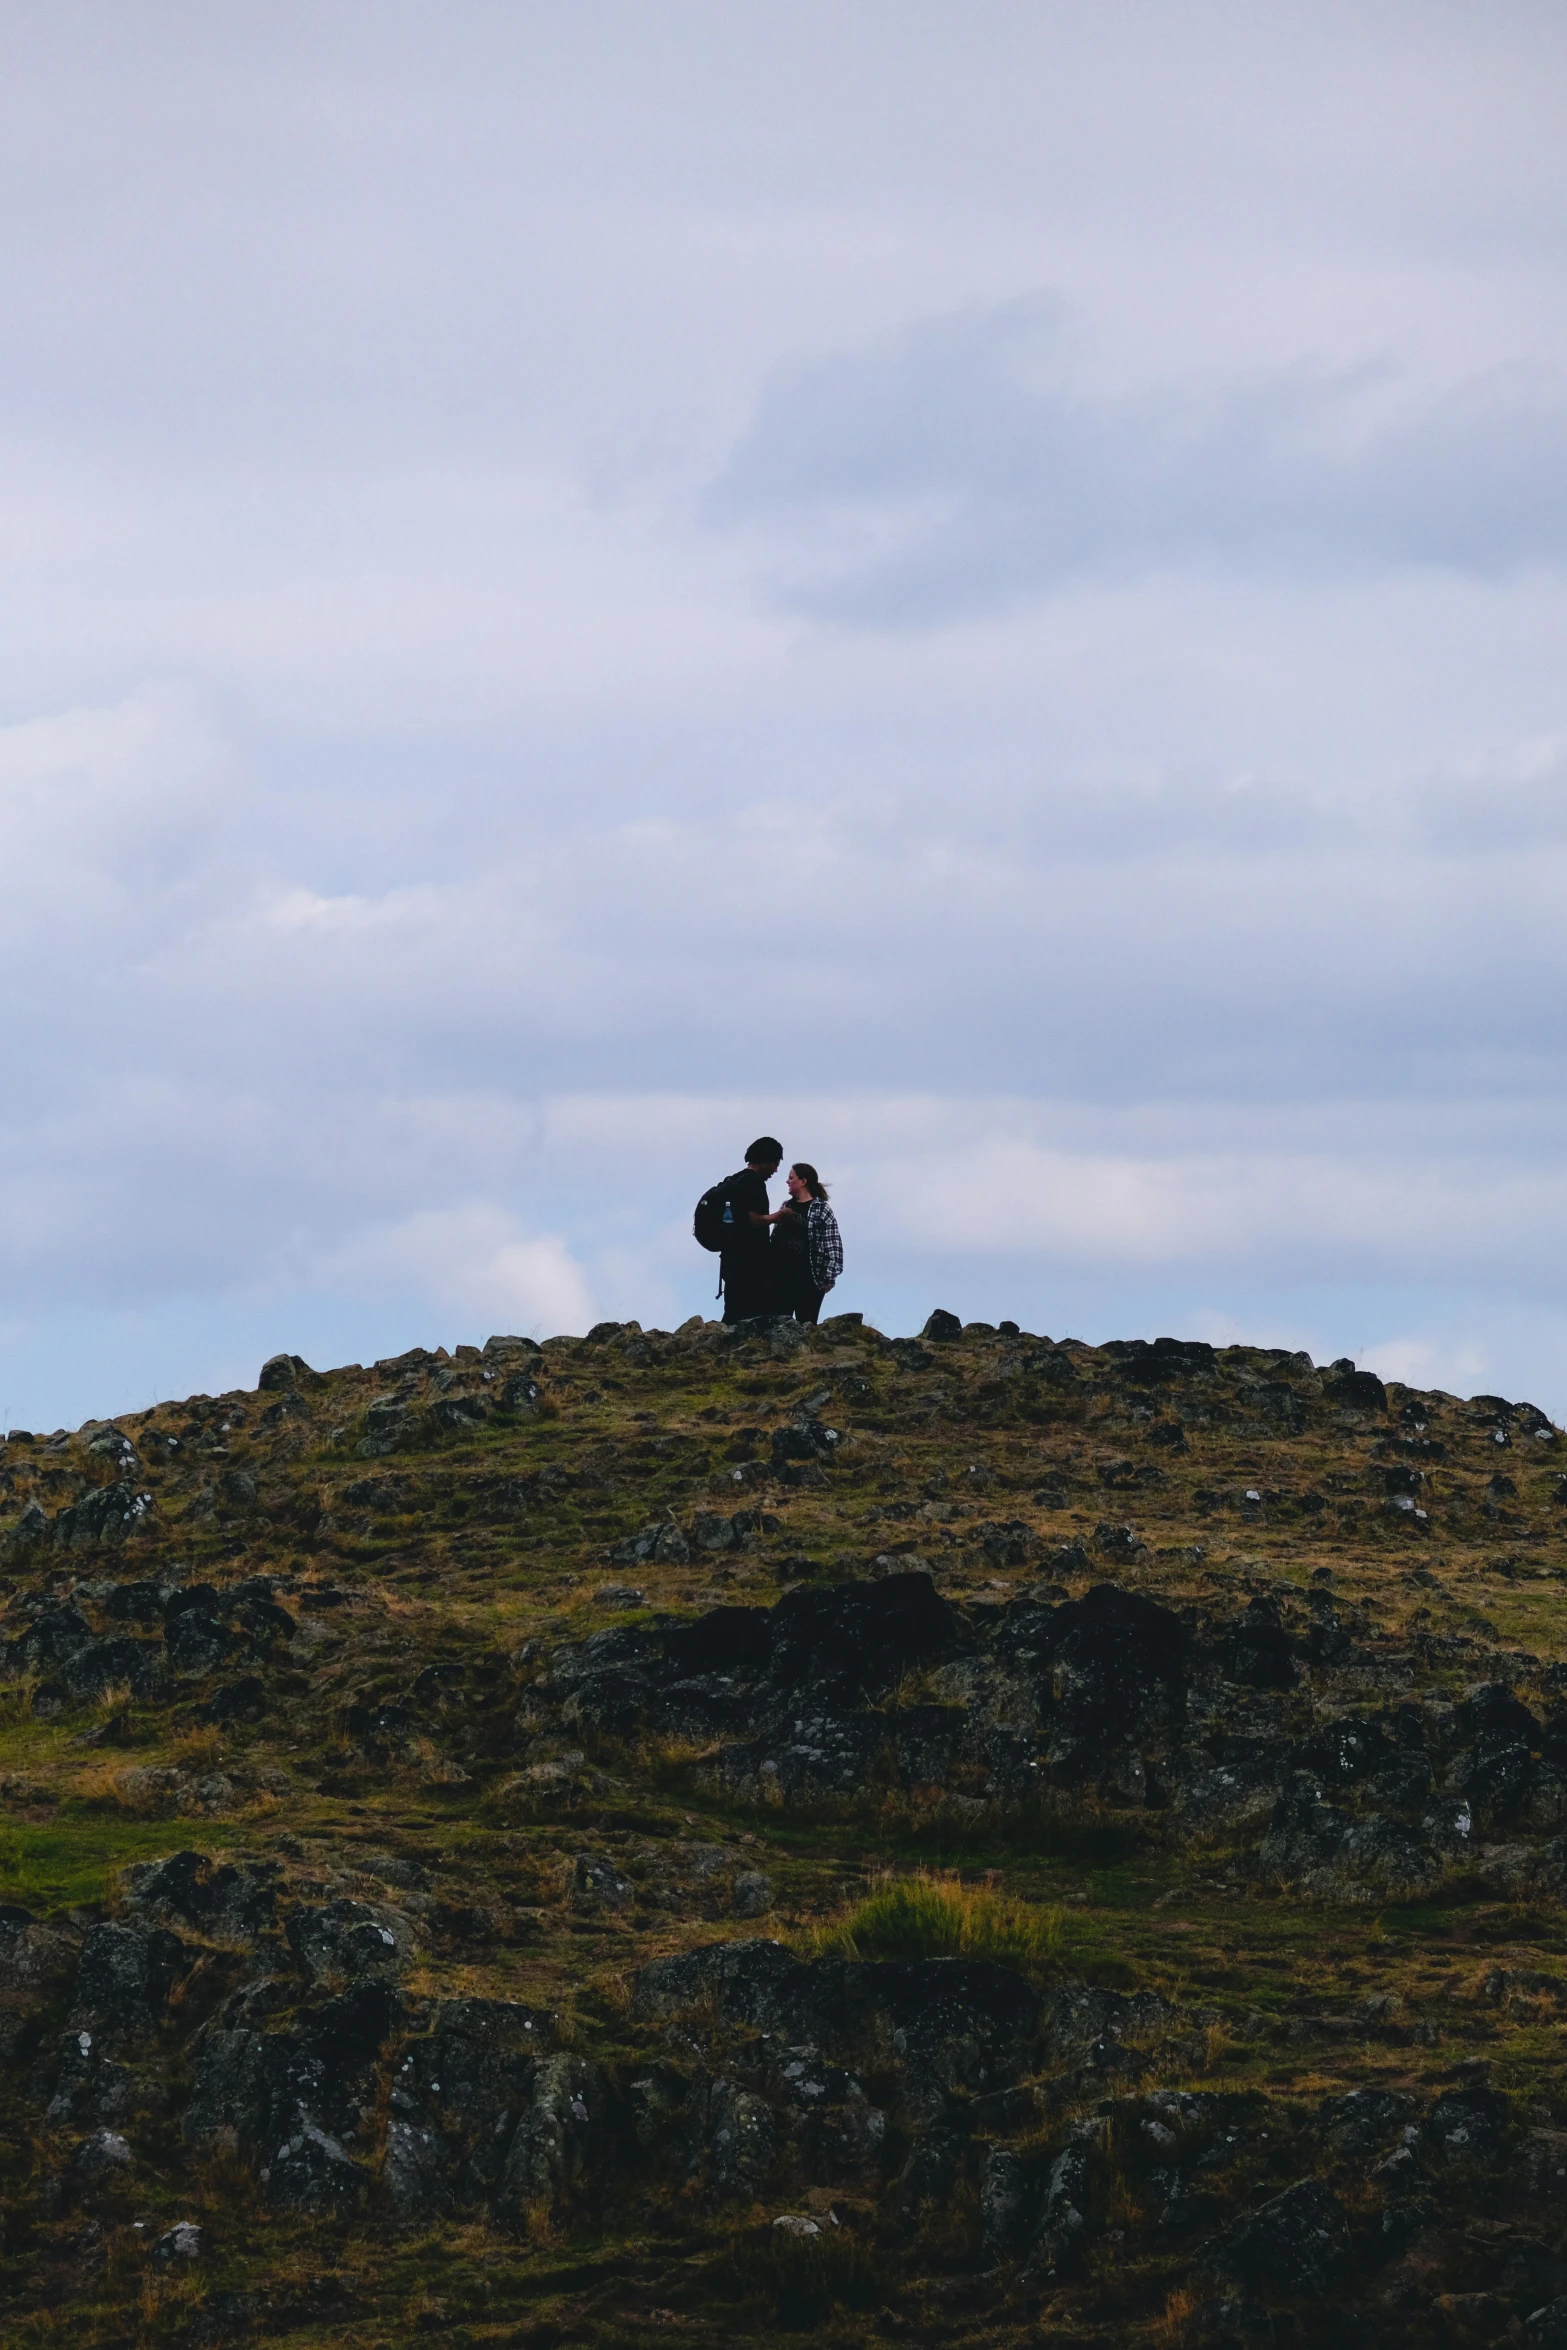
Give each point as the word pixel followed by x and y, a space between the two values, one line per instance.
pixel 824 1244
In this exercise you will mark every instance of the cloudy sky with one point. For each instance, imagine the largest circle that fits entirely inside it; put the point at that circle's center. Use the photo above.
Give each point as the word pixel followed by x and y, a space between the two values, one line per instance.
pixel 984 587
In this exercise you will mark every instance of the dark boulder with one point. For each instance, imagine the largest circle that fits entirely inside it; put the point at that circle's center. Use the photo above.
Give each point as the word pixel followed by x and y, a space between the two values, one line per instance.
pixel 184 2241
pixel 225 1899
pixel 813 1755
pixel 756 1983
pixel 1330 1852
pixel 416 2169
pixel 1042 2206
pixel 54 1635
pixel 1468 2125
pixel 107 1515
pixel 1354 1391
pixel 389 1422
pixel 730 2137
pixel 753 1894
pixel 459 1415
pixel 382 1730
pixel 930 2173
pixel 311 2171
pixel 562 2139
pixel 1257 1651
pixel 1295 2247
pixel 352 1939
pixel 954 2025
pixel 251 2089
pixel 372 1493
pixel 1118 1668
pixel 124 1979
pixel 279 1373
pixel 805 1440
pixel 1492 1715
pixel 476 2062
pixel 1162 1361
pixel 113 1663
pixel 455 2098
pixel 1077 2017
pixel 714 1705
pixel 1346 1750
pixel 942 1326
pixel 102 2156
pixel 1066 2211
pixel 595 1883
pixel 949 2026
pixel 608 1680
pixel 1115 1541
pixel 244 1700
pixel 725 1640
pixel 89 2085
pixel 1504 1735
pixel 1364 2121
pixel 196 1643
pixel 194 1633
pixel 661 1544
pixel 1012 1544
pixel 858 1639
pixel 34 1960
pixel 926 1739
pixel 136 1603
pixel 711 1530
pixel 1010 2186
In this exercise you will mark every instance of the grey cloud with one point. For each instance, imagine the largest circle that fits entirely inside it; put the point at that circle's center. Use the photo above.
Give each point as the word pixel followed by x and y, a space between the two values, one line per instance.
pixel 961 464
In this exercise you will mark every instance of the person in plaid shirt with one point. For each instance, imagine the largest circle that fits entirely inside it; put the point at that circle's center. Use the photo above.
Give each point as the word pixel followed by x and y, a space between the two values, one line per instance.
pixel 806 1244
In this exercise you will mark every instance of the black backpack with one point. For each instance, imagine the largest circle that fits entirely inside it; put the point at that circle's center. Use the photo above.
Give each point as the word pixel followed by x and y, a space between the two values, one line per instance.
pixel 714 1221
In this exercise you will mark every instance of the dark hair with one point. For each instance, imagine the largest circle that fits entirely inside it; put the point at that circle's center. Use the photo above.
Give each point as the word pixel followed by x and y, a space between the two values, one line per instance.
pixel 764 1152
pixel 809 1177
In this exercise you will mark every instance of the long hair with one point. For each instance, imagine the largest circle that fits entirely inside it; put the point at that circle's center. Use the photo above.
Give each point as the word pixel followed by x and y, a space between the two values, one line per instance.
pixel 809 1177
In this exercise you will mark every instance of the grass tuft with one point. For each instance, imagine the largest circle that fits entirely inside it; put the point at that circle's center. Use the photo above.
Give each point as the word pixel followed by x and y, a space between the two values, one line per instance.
pixel 931 1915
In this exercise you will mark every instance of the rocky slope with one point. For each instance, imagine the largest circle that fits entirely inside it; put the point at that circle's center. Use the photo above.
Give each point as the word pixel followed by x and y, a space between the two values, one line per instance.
pixel 968 1838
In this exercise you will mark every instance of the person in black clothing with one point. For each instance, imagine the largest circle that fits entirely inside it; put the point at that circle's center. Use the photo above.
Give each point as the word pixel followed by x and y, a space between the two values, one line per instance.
pixel 745 1259
pixel 805 1245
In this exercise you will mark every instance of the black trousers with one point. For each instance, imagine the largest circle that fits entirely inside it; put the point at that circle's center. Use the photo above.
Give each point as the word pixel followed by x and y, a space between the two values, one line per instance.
pixel 750 1287
pixel 808 1304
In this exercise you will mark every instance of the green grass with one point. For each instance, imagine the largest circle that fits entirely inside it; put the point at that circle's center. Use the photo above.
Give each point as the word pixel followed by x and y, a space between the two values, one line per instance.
pixel 805 2278
pixel 76 1858
pixel 929 1916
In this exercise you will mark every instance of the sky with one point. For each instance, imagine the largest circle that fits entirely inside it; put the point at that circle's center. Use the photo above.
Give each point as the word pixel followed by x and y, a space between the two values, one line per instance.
pixel 982 588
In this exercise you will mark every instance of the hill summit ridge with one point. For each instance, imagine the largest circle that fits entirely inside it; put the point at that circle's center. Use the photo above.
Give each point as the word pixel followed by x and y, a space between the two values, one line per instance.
pixel 966 1837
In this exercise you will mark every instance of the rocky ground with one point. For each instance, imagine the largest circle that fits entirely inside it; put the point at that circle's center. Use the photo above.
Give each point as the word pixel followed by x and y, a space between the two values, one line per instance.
pixel 969 1838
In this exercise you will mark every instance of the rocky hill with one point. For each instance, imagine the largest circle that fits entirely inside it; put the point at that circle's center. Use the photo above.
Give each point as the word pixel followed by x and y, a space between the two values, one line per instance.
pixel 968 1838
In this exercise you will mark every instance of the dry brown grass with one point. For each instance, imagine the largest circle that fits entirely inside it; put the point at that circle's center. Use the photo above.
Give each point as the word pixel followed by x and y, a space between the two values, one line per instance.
pixel 1173 2326
pixel 198 1749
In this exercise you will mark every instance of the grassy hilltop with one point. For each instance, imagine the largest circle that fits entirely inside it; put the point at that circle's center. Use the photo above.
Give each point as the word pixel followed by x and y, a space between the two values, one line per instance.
pixel 689 1834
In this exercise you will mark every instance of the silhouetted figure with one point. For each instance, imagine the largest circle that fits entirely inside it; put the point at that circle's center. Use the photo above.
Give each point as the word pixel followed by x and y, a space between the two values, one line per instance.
pixel 745 1260
pixel 806 1248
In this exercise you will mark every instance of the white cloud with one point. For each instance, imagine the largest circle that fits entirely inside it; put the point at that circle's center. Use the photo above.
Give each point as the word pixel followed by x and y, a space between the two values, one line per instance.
pixel 1430 1362
pixel 475 1260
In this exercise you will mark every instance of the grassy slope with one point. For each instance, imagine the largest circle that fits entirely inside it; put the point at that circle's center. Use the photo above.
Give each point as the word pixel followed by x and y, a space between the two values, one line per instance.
pixel 465 1554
